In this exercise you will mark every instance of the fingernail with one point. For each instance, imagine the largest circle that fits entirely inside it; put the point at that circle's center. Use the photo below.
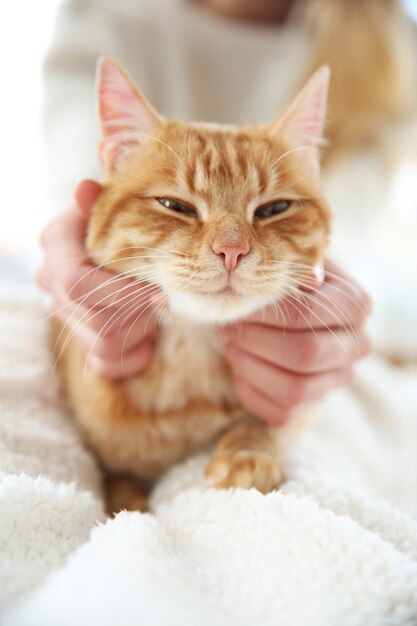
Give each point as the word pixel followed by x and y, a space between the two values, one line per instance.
pixel 319 273
pixel 316 280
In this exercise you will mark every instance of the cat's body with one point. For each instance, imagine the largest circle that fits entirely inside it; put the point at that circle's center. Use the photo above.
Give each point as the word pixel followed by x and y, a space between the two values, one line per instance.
pixel 225 221
pixel 145 424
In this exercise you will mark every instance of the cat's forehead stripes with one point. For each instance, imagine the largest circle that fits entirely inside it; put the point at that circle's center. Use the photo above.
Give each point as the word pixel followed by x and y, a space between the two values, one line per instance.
pixel 236 162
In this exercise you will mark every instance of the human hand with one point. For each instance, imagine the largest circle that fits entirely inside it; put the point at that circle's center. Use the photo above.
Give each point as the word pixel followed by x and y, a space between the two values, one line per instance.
pixel 293 353
pixel 94 303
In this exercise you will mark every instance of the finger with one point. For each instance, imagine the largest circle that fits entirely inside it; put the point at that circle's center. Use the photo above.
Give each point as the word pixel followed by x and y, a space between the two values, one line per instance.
pixel 286 389
pixel 86 193
pixel 260 405
pixel 131 363
pixel 304 352
pixel 339 303
pixel 64 241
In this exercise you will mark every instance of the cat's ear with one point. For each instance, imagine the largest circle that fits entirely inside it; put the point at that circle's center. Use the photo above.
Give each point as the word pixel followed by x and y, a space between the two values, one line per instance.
pixel 302 121
pixel 126 117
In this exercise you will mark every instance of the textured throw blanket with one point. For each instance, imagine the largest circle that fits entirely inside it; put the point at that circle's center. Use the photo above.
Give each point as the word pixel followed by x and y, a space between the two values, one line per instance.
pixel 336 546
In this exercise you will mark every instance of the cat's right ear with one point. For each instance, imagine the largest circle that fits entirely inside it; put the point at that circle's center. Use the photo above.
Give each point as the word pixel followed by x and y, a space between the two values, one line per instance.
pixel 302 121
pixel 126 117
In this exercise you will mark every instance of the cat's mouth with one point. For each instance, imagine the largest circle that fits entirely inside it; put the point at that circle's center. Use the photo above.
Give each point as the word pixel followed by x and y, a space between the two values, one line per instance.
pixel 226 291
pixel 226 301
pixel 223 291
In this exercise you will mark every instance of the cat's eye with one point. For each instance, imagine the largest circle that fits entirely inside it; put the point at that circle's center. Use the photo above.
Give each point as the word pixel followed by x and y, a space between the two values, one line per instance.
pixel 272 208
pixel 176 205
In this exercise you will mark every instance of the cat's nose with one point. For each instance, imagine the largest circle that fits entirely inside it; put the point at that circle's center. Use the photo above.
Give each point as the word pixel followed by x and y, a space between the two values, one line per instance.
pixel 231 254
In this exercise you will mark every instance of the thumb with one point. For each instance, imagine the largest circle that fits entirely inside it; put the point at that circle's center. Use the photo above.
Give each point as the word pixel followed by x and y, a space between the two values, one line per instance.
pixel 86 193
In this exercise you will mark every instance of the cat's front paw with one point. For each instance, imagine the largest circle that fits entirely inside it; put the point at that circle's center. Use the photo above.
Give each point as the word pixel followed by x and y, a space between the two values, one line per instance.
pixel 244 469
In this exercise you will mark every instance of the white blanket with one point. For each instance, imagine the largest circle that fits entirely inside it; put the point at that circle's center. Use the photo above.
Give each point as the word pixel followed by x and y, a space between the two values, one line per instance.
pixel 336 546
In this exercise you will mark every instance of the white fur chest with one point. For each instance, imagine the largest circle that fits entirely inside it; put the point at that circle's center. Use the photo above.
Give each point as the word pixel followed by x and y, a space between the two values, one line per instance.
pixel 188 367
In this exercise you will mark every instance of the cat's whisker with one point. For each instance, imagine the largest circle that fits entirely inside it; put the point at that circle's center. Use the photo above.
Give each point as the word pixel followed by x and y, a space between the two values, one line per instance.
pixel 141 292
pixel 162 295
pixel 111 281
pixel 75 257
pixel 129 135
pixel 101 333
pixel 282 156
pixel 340 322
pixel 333 276
pixel 160 310
pixel 349 296
pixel 164 251
pixel 158 313
pixel 106 261
pixel 124 311
pixel 179 286
pixel 289 288
pixel 351 286
pixel 80 323
pixel 285 318
pixel 321 295
pixel 277 311
pixel 94 269
pixel 295 300
pixel 327 272
pixel 144 277
pixel 135 273
pixel 319 319
pixel 295 263
pixel 164 308
pixel 294 168
pixel 81 299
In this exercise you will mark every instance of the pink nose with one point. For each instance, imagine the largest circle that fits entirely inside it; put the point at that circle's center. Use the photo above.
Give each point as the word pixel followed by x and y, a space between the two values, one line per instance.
pixel 231 254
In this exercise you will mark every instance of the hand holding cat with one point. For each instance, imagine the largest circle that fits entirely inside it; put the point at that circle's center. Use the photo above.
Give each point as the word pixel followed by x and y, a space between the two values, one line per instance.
pixel 88 299
pixel 293 353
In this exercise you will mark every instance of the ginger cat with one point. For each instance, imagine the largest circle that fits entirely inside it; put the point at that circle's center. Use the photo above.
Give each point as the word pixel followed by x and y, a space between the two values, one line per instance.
pixel 225 220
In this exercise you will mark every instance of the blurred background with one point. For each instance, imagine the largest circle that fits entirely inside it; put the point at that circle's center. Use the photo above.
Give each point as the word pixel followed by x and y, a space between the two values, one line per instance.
pixel 25 31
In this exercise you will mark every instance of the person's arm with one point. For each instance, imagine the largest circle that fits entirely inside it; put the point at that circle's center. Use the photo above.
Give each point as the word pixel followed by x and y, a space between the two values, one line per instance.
pixel 293 353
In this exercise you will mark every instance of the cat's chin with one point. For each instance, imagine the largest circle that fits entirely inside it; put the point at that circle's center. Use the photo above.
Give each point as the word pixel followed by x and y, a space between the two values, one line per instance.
pixel 216 309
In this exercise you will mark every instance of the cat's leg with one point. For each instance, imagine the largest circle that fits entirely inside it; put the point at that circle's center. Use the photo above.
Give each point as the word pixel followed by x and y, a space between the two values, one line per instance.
pixel 247 455
pixel 124 492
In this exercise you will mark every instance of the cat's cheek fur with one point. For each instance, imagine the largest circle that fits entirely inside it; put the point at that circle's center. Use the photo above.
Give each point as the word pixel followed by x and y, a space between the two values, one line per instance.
pixel 217 309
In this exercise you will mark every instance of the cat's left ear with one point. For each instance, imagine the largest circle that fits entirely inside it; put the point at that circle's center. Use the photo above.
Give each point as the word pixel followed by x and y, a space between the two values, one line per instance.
pixel 126 118
pixel 302 122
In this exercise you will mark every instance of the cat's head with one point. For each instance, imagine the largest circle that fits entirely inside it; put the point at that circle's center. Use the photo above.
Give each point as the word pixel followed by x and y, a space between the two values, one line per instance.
pixel 224 219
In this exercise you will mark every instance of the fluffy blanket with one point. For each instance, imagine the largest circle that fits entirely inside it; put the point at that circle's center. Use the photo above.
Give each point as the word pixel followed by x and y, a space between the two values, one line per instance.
pixel 336 546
